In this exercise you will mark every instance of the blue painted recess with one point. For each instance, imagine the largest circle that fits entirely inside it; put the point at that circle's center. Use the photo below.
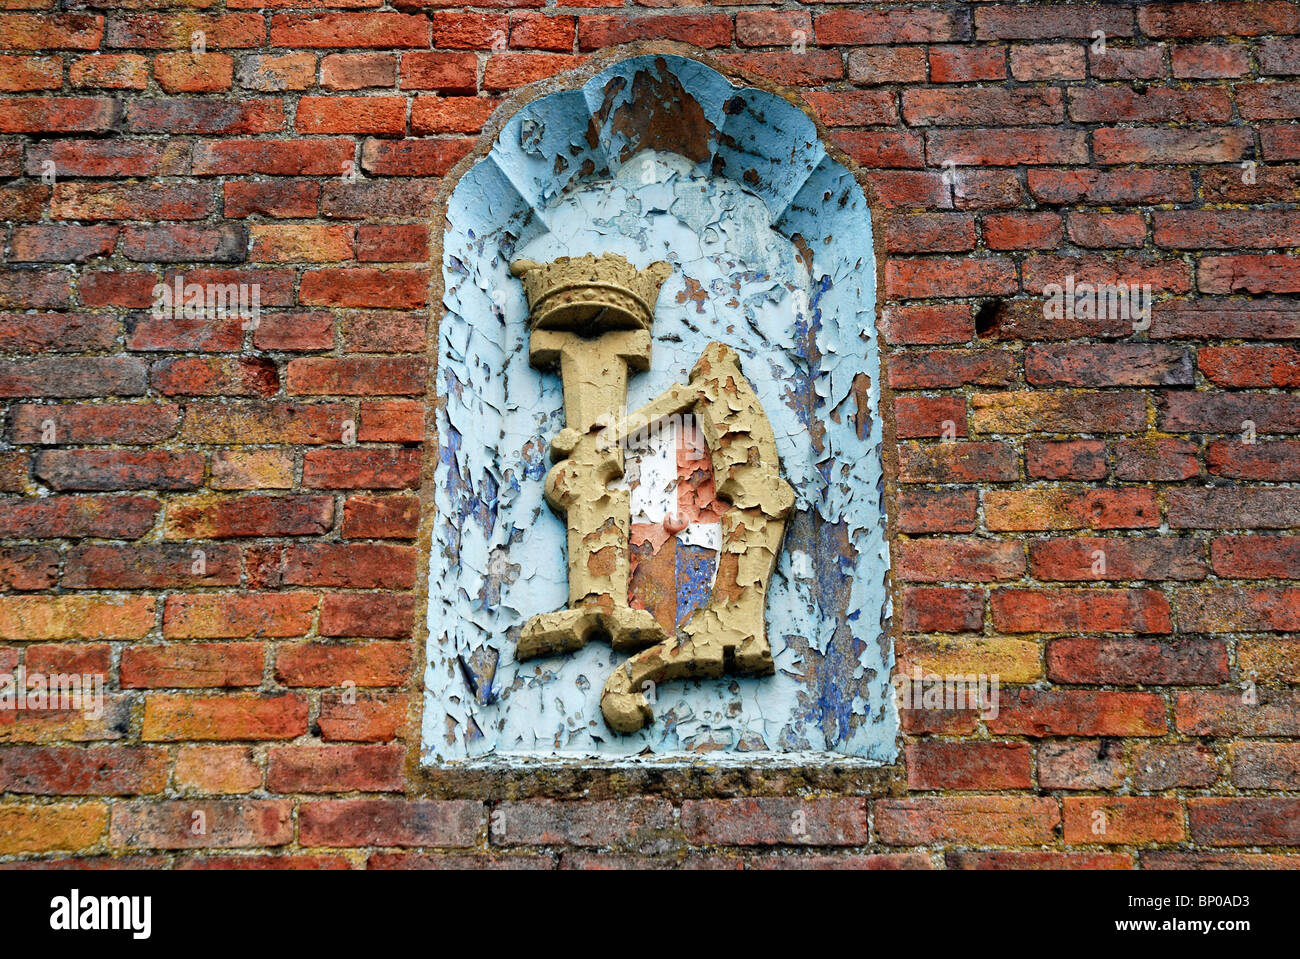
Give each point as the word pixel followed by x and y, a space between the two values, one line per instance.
pixel 662 158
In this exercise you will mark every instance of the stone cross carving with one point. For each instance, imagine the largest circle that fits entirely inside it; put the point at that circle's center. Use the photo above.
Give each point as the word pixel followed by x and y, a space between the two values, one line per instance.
pixel 591 317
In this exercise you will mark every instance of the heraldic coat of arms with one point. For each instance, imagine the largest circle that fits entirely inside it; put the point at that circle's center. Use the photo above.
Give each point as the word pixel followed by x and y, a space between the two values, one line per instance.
pixel 591 317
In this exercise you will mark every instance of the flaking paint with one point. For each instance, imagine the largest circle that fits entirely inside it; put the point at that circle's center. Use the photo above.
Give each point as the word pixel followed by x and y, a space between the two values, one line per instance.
pixel 586 171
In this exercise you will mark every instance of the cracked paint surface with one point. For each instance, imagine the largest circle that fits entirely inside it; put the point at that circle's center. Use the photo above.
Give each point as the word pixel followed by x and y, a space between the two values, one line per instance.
pixel 662 158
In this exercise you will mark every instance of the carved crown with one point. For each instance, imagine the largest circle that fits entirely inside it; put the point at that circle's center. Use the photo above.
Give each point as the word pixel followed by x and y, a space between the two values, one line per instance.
pixel 591 293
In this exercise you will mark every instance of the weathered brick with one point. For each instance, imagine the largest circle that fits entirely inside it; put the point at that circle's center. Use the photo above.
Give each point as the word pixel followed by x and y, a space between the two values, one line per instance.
pixel 1005 820
pixel 221 824
pixel 1076 712
pixel 776 821
pixel 170 717
pixel 954 765
pixel 325 769
pixel 389 822
pixel 1125 661
pixel 1122 820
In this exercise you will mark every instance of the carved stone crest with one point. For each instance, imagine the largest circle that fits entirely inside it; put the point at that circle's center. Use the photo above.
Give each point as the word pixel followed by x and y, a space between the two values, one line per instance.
pixel 591 317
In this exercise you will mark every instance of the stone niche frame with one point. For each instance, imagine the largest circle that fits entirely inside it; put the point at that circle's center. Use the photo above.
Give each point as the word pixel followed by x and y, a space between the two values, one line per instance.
pixel 513 776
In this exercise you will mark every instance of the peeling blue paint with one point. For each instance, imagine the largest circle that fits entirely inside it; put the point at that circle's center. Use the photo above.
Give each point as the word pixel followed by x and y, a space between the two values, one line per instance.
pixel 744 206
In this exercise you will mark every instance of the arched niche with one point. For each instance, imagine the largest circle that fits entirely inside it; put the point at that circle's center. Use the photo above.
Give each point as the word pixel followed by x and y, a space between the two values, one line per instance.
pixel 660 158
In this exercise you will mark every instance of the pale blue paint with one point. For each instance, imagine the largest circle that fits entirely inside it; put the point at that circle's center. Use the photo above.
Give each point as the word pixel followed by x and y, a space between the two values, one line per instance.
pixel 498 550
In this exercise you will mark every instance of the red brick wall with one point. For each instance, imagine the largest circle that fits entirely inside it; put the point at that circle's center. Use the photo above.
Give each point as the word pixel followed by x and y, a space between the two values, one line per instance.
pixel 230 688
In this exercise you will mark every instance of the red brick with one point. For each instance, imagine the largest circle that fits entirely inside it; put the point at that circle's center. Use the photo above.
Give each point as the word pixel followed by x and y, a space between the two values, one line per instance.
pixel 367 614
pixel 978 765
pixel 1081 610
pixel 1245 821
pixel 170 717
pixel 57 31
pixel 957 462
pixel 361 469
pixel 1122 820
pixel 1048 61
pixel 194 72
pixel 225 824
pixel 192 665
pixel 269 73
pixel 967 64
pixel 356 71
pixel 364 287
pixel 389 822
pixel 223 770
pixel 325 769
pixel 218 616
pixel 349 30
pixel 927 416
pixel 887 65
pixel 1124 661
pixel 272 157
pixel 1256 557
pixel 1090 559
pixel 1238 712
pixel 1066 459
pixel 27 568
pixel 702 30
pixel 970 106
pixel 1159 766
pixel 967 560
pixel 447 115
pixel 928 325
pixel 1156 459
pixel 1265 765
pixel 1259 366
pixel 362 664
pixel 55 332
pixel 189 115
pixel 1049 509
pixel 357 717
pixel 1209 61
pixel 54 517
pixel 890 26
pixel 1222 18
pixel 937 511
pixel 506 71
pixel 1240 508
pixel 151 567
pixel 1107 230
pixel 356 565
pixel 391 421
pixel 20 74
pixel 1076 712
pixel 470 31
pixel 937 609
pixel 810 68
pixel 94 771
pixel 113 201
pixel 381 115
pixel 776 821
pixel 1159 146
pixel 1109 187
pixel 1090 764
pixel 1025 231
pixel 542 31
pixel 1006 21
pixel 1126 63
pixel 1004 820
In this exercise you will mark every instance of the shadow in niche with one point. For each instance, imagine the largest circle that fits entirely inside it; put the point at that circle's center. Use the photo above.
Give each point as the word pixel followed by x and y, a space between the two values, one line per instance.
pixel 661 157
